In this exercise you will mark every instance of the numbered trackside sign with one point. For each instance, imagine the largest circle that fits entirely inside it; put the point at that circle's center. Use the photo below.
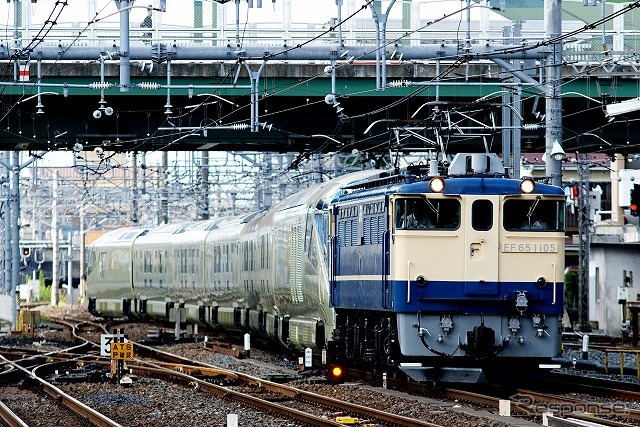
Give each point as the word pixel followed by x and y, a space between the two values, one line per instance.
pixel 105 343
pixel 121 351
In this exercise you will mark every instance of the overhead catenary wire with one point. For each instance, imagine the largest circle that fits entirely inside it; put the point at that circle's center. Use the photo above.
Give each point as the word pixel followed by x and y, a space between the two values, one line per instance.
pixel 374 112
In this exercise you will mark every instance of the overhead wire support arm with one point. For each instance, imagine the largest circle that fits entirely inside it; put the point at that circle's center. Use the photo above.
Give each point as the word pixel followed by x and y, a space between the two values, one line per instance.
pixel 381 42
pixel 254 76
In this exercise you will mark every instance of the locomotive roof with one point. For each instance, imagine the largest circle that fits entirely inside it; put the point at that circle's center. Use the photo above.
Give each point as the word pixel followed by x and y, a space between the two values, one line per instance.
pixel 480 185
pixel 403 184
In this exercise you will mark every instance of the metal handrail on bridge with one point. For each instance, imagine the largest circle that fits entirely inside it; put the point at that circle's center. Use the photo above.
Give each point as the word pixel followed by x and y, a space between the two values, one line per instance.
pixel 264 35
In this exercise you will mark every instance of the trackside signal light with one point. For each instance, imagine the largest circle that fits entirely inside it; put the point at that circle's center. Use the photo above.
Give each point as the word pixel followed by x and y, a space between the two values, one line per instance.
pixel 635 200
pixel 26 252
pixel 335 374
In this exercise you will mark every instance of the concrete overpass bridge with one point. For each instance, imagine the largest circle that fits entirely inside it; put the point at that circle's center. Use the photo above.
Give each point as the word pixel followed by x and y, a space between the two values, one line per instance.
pixel 291 104
pixel 511 76
pixel 368 80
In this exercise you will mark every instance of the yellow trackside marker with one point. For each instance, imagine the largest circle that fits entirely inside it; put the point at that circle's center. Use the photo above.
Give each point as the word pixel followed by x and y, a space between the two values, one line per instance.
pixel 347 420
pixel 121 351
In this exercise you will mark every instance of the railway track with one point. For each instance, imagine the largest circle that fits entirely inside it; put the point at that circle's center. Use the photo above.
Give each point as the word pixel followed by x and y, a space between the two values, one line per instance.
pixel 280 400
pixel 535 403
pixel 201 377
pixel 60 403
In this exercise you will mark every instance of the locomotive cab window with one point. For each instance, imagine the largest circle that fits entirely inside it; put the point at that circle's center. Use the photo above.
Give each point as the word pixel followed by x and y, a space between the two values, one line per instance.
pixel 533 215
pixel 427 214
pixel 482 215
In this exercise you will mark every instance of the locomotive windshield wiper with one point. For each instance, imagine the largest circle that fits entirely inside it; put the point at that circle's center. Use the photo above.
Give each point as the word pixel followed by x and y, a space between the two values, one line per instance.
pixel 533 207
pixel 433 208
pixel 431 205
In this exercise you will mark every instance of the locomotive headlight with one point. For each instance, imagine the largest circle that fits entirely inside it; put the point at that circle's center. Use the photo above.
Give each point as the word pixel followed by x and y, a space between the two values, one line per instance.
pixel 527 185
pixel 420 280
pixel 437 185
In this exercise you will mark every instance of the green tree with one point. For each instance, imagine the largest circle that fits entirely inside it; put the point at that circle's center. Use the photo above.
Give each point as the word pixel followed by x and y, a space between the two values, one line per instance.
pixel 45 291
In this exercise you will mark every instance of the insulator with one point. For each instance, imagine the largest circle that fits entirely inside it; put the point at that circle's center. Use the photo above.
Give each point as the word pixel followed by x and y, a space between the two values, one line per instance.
pixel 159 53
pixel 239 126
pixel 149 85
pixel 531 126
pixel 399 83
pixel 100 85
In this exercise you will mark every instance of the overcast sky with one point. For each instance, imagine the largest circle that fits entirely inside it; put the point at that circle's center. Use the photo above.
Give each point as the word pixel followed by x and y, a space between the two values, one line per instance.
pixel 180 12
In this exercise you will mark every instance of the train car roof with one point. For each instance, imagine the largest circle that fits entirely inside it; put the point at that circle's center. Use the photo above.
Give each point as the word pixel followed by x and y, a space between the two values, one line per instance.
pixel 121 235
pixel 320 196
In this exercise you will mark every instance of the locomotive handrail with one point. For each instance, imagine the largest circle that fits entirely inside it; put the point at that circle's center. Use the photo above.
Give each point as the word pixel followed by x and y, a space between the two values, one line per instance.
pixel 553 301
pixel 408 282
pixel 332 269
pixel 385 273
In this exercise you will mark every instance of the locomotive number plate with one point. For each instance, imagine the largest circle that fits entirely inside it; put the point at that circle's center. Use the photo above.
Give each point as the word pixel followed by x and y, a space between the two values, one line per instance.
pixel 530 247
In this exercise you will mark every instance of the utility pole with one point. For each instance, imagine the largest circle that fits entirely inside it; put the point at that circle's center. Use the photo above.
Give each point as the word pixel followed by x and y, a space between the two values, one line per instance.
pixel 584 234
pixel 15 235
pixel 268 181
pixel 125 70
pixel 135 217
pixel 54 243
pixel 203 203
pixel 70 300
pixel 12 232
pixel 82 289
pixel 553 133
pixel 6 160
pixel 163 214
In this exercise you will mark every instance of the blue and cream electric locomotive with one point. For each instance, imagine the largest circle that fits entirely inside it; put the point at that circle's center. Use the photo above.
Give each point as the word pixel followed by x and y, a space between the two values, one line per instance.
pixel 424 271
pixel 431 272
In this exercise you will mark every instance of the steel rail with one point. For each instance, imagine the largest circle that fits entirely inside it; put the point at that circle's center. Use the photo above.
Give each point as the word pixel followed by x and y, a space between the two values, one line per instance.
pixel 301 395
pixel 554 421
pixel 468 396
pixel 180 365
pixel 235 395
pixel 604 408
pixel 633 396
pixel 569 380
pixel 10 417
pixel 80 409
pixel 594 420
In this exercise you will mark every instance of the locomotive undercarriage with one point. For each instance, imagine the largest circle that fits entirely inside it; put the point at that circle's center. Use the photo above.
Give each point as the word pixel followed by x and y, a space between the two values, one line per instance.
pixel 365 338
pixel 370 340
